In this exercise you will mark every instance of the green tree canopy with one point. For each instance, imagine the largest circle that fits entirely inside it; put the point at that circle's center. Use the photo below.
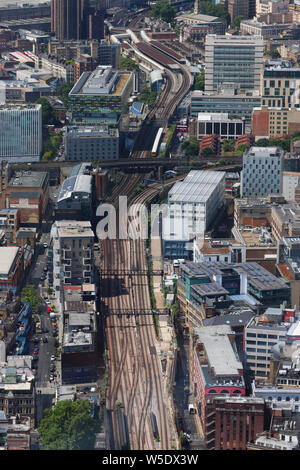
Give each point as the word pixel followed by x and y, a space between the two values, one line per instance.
pixel 47 111
pixel 68 426
pixel 209 8
pixel 63 91
pixel 191 146
pixel 31 295
pixel 242 148
pixel 200 81
pixel 163 10
pixel 127 63
pixel 237 21
pixel 206 152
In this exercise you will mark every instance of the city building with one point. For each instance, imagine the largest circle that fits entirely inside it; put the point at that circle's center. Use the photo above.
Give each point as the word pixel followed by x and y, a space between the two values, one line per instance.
pixel 67 18
pixel 214 366
pixel 220 124
pixel 9 223
pixel 11 267
pixel 108 54
pixel 83 64
pixel 279 84
pixel 79 354
pixel 266 31
pixel 238 8
pixel 71 253
pixel 76 197
pixel 254 212
pixel 262 171
pixel 20 133
pixel 101 92
pixel 192 206
pixel 285 221
pixel 204 289
pixel 17 390
pixel 233 59
pixel 261 334
pixel 85 143
pixel 196 32
pixel 232 423
pixel 227 101
pixel 27 191
pixel 271 122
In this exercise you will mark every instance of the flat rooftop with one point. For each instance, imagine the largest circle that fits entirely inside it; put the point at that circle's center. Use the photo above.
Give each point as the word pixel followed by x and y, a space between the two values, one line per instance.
pixel 28 179
pixel 220 353
pixel 7 258
pixel 197 187
pixel 74 228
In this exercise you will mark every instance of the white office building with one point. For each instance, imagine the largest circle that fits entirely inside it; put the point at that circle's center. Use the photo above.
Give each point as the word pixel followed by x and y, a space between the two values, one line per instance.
pixel 233 59
pixel 262 171
pixel 220 124
pixel 72 244
pixel 193 204
pixel 20 133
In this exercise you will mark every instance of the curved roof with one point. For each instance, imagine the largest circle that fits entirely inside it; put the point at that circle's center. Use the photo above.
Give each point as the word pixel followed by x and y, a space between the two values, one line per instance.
pixel 155 76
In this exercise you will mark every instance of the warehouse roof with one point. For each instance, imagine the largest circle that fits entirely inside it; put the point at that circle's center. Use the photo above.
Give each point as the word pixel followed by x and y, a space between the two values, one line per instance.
pixel 196 187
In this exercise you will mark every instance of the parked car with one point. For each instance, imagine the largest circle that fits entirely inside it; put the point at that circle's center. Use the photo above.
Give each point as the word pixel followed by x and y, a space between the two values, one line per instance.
pixel 44 330
pixel 51 377
pixel 43 276
pixel 45 339
pixel 52 367
pixel 45 245
pixel 36 340
pixel 52 358
pixel 35 352
pixel 45 269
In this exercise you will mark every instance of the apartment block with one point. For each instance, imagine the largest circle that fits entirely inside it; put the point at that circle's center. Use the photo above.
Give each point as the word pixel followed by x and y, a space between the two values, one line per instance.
pixel 72 245
pixel 262 171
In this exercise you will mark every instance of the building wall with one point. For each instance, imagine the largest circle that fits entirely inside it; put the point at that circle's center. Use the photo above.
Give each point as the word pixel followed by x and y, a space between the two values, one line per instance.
pixel 261 175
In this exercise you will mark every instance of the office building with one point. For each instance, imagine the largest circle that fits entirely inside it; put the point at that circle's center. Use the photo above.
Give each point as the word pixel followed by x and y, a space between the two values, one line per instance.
pixel 262 171
pixel 231 423
pixel 192 207
pixel 233 59
pixel 101 93
pixel 108 54
pixel 220 124
pixel 229 101
pixel 285 220
pixel 266 31
pixel 20 133
pixel 72 245
pixel 67 18
pixel 269 122
pixel 207 288
pixel 238 8
pixel 84 143
pixel 259 340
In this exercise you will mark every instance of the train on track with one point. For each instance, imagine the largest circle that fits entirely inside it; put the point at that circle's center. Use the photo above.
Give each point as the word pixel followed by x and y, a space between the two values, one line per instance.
pixel 154 426
pixel 155 148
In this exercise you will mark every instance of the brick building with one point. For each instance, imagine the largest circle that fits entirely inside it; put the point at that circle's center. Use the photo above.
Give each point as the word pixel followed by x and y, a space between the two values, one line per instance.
pixel 232 422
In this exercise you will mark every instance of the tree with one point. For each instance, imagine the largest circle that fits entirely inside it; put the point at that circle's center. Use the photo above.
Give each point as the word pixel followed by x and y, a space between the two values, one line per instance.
pixel 242 148
pixel 200 81
pixel 47 111
pixel 163 10
pixel 127 63
pixel 63 91
pixel 68 426
pixel 30 294
pixel 262 142
pixel 208 8
pixel 237 21
pixel 191 147
pixel 206 152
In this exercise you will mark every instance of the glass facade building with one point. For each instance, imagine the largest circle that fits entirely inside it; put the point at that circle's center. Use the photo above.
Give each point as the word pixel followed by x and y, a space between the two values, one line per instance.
pixel 20 133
